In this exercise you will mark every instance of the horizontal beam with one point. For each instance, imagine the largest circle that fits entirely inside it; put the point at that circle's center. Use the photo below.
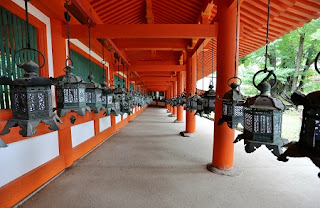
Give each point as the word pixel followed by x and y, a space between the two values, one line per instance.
pixel 145 31
pixel 154 79
pixel 154 62
pixel 146 68
pixel 151 44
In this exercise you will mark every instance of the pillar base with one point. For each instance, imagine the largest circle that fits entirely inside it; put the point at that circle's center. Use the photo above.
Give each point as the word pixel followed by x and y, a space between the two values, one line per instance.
pixel 172 115
pixel 185 134
pixel 233 172
pixel 176 121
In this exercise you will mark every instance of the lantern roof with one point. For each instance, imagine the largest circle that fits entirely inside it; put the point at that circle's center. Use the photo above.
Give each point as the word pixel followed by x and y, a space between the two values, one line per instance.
pixel 69 77
pixel 264 100
pixel 233 94
pixel 30 77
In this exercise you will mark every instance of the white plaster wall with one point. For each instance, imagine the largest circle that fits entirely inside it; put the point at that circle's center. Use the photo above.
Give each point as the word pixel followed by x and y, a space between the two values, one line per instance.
pixel 125 116
pixel 104 123
pixel 134 110
pixel 82 132
pixel 23 156
pixel 118 119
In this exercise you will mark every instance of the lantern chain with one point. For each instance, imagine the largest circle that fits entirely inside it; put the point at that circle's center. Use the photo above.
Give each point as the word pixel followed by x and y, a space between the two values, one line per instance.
pixel 89 35
pixel 118 72
pixel 236 50
pixel 103 61
pixel 203 66
pixel 267 37
pixel 196 73
pixel 68 29
pixel 123 83
pixel 212 49
pixel 27 21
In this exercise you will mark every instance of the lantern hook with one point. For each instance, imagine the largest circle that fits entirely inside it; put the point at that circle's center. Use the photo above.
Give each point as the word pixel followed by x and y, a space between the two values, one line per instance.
pixel 316 60
pixel 32 49
pixel 270 73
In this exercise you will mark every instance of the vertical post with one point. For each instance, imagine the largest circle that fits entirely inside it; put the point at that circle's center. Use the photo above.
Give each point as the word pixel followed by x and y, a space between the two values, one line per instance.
pixel 222 158
pixel 179 91
pixel 190 88
pixel 174 95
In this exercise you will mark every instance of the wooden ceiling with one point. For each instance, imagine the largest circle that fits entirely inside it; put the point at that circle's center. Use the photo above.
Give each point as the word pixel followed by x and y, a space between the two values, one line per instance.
pixel 286 15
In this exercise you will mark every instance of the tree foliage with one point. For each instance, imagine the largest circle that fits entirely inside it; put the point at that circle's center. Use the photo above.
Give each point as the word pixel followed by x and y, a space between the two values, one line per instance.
pixel 284 59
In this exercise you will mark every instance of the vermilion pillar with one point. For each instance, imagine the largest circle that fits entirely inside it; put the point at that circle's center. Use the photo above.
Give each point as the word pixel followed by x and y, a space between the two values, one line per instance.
pixel 223 136
pixel 179 91
pixel 190 88
pixel 174 95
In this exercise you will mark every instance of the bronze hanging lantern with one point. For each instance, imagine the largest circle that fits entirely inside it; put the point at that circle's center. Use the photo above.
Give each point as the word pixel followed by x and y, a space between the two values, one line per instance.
pixel 182 99
pixel 309 141
pixel 117 96
pixel 31 100
pixel 200 105
pixel 94 95
pixel 191 103
pixel 93 89
pixel 232 106
pixel 107 98
pixel 71 96
pixel 263 119
pixel 209 99
pixel 70 88
pixel 30 96
pixel 2 144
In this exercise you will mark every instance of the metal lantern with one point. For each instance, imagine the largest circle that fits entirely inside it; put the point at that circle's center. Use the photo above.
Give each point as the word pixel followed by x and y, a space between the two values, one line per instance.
pixel 232 106
pixel 93 95
pixel 200 106
pixel 119 101
pixel 117 97
pixel 31 100
pixel 126 104
pixel 263 120
pixel 2 144
pixel 182 99
pixel 191 103
pixel 71 96
pixel 107 98
pixel 209 99
pixel 309 142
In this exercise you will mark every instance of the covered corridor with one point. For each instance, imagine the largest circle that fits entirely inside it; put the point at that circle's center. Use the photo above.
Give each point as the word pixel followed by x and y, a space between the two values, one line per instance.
pixel 147 164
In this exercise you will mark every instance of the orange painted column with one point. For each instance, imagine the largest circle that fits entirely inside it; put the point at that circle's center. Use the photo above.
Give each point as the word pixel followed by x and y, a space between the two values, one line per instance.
pixel 174 95
pixel 190 88
pixel 224 136
pixel 179 91
pixel 167 97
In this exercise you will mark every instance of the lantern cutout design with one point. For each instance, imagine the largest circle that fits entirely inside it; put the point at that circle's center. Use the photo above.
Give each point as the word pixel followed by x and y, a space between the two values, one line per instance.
pixel 107 98
pixel 200 105
pixel 232 106
pixel 209 99
pixel 191 103
pixel 118 97
pixel 94 95
pixel 263 120
pixel 2 144
pixel 182 99
pixel 309 142
pixel 71 95
pixel 31 100
pixel 125 105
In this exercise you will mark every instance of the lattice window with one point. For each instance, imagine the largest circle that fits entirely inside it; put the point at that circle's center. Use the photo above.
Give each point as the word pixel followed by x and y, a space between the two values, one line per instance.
pixel 13 37
pixel 81 66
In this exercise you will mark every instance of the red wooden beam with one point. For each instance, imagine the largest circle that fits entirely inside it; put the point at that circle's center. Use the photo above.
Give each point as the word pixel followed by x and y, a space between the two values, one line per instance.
pixel 146 31
pixel 155 79
pixel 145 68
pixel 151 44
